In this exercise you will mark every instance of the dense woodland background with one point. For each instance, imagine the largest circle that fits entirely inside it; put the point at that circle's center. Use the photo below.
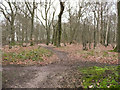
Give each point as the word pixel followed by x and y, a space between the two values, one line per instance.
pixel 86 23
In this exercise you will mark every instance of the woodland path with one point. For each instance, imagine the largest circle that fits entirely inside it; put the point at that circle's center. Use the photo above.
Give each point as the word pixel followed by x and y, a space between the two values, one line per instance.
pixel 48 76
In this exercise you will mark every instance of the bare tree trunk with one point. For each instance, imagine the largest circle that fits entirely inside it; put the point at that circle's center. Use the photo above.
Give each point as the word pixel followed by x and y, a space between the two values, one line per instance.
pixel 118 38
pixel 26 33
pixel 46 23
pixel 53 36
pixel 32 27
pixel 84 41
pixel 107 32
pixel 22 35
pixel 32 12
pixel 101 31
pixel 94 31
pixel 59 22
pixel 98 24
pixel 70 25
pixel 12 33
pixel 118 29
pixel 89 35
pixel 48 36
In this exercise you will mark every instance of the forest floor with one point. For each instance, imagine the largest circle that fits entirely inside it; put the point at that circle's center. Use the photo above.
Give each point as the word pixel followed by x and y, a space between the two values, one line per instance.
pixel 61 72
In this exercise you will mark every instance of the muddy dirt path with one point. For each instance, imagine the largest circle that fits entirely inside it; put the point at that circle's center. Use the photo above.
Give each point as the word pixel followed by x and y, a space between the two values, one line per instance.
pixel 41 76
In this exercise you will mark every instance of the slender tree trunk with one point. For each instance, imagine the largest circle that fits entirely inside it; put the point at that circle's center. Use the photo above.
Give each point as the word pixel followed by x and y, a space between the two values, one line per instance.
pixel 48 37
pixel 101 31
pixel 12 33
pixel 89 35
pixel 22 35
pixel 98 30
pixel 53 36
pixel 32 24
pixel 107 32
pixel 26 38
pixel 94 31
pixel 59 30
pixel 32 28
pixel 71 38
pixel 59 22
pixel 12 42
pixel 84 41
pixel 64 36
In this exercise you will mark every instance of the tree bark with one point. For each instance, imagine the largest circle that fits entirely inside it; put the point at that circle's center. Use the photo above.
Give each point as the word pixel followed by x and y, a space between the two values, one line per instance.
pixel 59 22
pixel 101 31
pixel 118 38
pixel 94 31
pixel 107 32
pixel 32 25
pixel 118 28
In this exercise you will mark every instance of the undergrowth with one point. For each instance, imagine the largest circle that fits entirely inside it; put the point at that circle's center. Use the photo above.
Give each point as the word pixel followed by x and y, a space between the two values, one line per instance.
pixel 100 77
pixel 104 54
pixel 35 55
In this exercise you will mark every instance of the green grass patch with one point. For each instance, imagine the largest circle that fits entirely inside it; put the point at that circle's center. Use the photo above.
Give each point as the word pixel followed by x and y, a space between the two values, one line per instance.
pixel 35 55
pixel 100 77
pixel 105 54
pixel 112 51
pixel 91 53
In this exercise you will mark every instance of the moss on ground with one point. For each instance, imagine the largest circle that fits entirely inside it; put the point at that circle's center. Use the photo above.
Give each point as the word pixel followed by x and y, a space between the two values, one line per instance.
pixel 100 77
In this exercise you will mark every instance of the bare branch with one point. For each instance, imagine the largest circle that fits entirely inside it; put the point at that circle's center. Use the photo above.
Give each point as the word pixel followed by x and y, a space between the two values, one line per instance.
pixel 40 21
pixel 42 16
pixel 28 7
pixel 24 11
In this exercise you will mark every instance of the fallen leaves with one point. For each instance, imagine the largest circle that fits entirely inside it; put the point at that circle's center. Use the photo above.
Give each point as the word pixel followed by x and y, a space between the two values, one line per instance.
pixel 75 52
pixel 30 51
pixel 101 54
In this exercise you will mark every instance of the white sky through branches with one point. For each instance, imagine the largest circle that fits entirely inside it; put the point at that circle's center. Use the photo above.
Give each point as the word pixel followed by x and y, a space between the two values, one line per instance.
pixel 57 7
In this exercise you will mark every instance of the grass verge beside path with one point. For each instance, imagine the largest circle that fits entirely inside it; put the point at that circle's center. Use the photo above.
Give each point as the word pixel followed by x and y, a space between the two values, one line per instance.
pixel 33 56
